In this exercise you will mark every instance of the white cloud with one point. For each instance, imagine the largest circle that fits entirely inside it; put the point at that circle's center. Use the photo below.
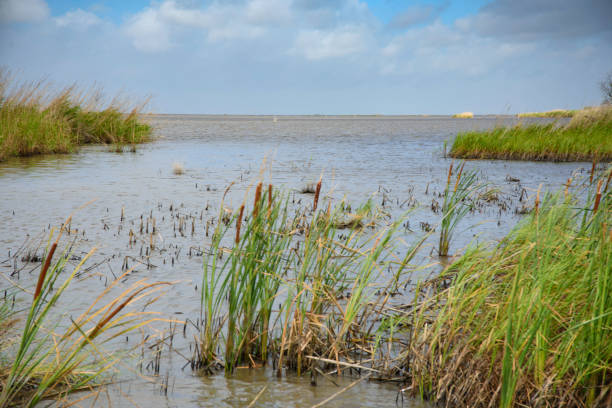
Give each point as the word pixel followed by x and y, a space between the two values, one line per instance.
pixel 148 31
pixel 152 29
pixel 77 19
pixel 339 42
pixel 155 28
pixel 439 48
pixel 23 10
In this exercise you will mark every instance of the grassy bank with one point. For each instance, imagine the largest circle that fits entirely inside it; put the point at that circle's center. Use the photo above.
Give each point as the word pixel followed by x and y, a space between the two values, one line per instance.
pixel 527 323
pixel 555 113
pixel 35 119
pixel 588 136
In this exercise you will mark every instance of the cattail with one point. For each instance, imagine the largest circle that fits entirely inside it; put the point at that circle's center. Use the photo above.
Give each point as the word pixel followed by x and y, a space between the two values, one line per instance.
pixel 450 173
pixel 316 197
pixel 608 182
pixel 238 223
pixel 597 196
pixel 459 177
pixel 43 272
pixel 257 200
pixel 45 268
pixel 107 319
pixel 537 200
pixel 269 200
pixel 592 171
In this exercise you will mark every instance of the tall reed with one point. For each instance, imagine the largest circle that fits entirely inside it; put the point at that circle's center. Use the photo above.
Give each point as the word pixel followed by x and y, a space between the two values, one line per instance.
pixel 45 364
pixel 528 322
pixel 248 280
pixel 455 205
pixel 303 263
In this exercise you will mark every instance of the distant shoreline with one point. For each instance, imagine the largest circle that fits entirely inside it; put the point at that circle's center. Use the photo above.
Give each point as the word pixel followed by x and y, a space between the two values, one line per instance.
pixel 317 116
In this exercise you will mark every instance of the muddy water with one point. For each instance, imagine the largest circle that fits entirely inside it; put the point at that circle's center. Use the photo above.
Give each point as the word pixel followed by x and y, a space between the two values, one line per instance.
pixel 397 161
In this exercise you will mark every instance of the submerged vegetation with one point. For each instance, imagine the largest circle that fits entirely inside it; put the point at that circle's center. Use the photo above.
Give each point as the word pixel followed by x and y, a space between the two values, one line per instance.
pixel 34 119
pixel 588 136
pixel 527 323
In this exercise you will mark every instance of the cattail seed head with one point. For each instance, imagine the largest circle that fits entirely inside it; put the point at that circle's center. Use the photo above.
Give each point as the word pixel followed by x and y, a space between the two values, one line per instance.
pixel 257 200
pixel 316 197
pixel 450 173
pixel 239 223
pixel 597 196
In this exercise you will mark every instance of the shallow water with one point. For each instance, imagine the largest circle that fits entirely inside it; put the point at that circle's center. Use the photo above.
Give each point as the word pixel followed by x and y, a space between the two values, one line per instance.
pixel 399 161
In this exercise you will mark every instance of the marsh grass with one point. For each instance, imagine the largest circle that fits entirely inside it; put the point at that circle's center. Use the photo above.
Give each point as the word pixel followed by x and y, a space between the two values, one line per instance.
pixel 324 282
pixel 528 322
pixel 586 137
pixel 456 204
pixel 36 119
pixel 50 357
pixel 555 113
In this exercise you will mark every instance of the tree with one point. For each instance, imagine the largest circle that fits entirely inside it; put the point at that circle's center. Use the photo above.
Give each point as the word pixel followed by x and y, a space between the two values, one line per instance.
pixel 606 88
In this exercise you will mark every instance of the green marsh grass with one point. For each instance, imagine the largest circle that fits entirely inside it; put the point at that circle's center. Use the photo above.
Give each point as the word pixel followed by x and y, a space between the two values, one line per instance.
pixel 35 119
pixel 588 136
pixel 555 113
pixel 323 277
pixel 456 204
pixel 528 322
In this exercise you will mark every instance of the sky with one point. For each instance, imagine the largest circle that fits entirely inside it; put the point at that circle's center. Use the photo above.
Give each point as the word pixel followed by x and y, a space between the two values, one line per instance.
pixel 317 56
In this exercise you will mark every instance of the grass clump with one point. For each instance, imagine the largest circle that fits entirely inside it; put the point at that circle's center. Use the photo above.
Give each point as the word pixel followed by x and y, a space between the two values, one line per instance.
pixel 34 119
pixel 323 278
pixel 527 323
pixel 555 113
pixel 588 136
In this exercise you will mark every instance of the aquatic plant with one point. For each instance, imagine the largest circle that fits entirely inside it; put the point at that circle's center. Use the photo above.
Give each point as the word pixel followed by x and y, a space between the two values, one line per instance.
pixel 586 137
pixel 248 279
pixel 555 113
pixel 302 262
pixel 43 363
pixel 528 322
pixel 455 205
pixel 35 119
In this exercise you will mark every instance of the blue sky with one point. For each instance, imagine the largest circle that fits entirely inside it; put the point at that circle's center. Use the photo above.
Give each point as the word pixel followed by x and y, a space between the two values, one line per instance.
pixel 318 56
